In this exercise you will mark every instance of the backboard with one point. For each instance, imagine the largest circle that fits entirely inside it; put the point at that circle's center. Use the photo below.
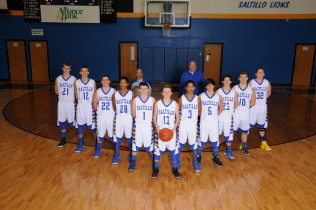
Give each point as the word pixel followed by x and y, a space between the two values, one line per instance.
pixel 176 12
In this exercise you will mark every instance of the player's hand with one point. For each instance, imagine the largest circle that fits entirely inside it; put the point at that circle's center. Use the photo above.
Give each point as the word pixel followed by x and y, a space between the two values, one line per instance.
pixel 174 130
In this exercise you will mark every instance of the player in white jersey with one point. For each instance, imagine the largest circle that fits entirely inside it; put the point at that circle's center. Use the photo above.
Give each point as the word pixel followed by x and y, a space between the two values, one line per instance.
pixel 190 106
pixel 166 115
pixel 84 90
pixel 212 107
pixel 102 103
pixel 258 113
pixel 226 118
pixel 123 121
pixel 64 88
pixel 142 111
pixel 246 99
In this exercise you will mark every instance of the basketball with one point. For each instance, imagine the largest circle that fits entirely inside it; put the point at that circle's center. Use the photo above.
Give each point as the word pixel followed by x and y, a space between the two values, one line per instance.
pixel 165 134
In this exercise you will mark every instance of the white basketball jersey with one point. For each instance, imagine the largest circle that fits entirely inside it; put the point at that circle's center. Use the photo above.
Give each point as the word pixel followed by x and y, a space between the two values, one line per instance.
pixel 244 96
pixel 105 106
pixel 261 90
pixel 228 101
pixel 209 106
pixel 166 114
pixel 85 90
pixel 123 102
pixel 189 109
pixel 144 110
pixel 66 88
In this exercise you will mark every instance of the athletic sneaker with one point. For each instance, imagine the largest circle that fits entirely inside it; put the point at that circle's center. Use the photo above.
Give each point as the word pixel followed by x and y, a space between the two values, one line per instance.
pixel 132 165
pixel 229 155
pixel 97 153
pixel 176 173
pixel 199 158
pixel 62 142
pixel 217 160
pixel 154 175
pixel 265 146
pixel 197 166
pixel 245 150
pixel 115 159
pixel 79 148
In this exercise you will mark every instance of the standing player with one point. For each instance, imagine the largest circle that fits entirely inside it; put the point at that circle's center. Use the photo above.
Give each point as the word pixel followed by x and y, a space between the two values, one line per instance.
pixel 142 111
pixel 226 118
pixel 212 107
pixel 64 88
pixel 102 103
pixel 190 106
pixel 166 115
pixel 122 104
pixel 246 99
pixel 258 113
pixel 84 90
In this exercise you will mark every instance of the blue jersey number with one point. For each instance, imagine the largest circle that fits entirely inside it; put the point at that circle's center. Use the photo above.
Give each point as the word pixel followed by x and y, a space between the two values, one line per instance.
pixel 105 105
pixel 209 110
pixel 144 115
pixel 123 109
pixel 226 106
pixel 260 95
pixel 190 114
pixel 242 102
pixel 85 95
pixel 166 120
pixel 65 91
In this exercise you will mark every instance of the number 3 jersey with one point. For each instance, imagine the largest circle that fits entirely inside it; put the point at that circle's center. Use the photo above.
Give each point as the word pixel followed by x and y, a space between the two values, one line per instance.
pixel 85 90
pixel 66 88
pixel 189 109
pixel 166 114
pixel 228 101
pixel 261 90
pixel 209 106
pixel 105 102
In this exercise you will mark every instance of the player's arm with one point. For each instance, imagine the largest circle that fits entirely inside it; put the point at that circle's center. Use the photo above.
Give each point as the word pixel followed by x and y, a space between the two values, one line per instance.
pixel 134 108
pixel 253 98
pixel 199 105
pixel 220 105
pixel 179 103
pixel 154 101
pixel 113 102
pixel 95 100
pixel 249 83
pixel 236 100
pixel 95 86
pixel 155 115
pixel 76 91
pixel 56 87
pixel 269 90
pixel 177 119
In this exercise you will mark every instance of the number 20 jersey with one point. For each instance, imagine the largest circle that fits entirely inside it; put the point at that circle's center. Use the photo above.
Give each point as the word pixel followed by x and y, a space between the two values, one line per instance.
pixel 105 106
pixel 166 114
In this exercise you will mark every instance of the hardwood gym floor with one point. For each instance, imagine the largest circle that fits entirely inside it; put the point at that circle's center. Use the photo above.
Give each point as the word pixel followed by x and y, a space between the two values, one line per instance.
pixel 35 174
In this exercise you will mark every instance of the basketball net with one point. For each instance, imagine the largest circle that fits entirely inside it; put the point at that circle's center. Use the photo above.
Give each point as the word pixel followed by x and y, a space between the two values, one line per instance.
pixel 166 28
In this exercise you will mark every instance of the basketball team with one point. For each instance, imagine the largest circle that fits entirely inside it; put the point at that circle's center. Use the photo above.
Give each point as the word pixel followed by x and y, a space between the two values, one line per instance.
pixel 201 114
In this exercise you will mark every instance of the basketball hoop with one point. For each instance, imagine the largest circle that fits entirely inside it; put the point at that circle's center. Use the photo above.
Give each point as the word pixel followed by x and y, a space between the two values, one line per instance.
pixel 166 27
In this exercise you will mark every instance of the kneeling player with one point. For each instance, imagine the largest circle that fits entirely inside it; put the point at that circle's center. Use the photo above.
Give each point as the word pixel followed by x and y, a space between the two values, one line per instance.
pixel 142 111
pixel 166 115
pixel 190 106
pixel 226 118
pixel 258 113
pixel 212 106
pixel 102 103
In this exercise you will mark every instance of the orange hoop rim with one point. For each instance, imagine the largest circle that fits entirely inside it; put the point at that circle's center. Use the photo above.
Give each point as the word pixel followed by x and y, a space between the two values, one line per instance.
pixel 166 24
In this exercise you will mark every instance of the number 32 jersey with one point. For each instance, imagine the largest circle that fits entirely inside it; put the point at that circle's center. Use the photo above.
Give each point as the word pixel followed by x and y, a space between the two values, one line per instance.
pixel 85 90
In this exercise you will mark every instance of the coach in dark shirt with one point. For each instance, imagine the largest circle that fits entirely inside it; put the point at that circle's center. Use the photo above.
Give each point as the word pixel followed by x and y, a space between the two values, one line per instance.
pixel 196 76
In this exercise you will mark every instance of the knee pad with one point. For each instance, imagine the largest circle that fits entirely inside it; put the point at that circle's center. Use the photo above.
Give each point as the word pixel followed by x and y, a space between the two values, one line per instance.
pixel 262 129
pixel 252 125
pixel 181 146
pixel 172 152
pixel 62 125
pixel 229 141
pixel 101 138
pixel 147 149
pixel 161 152
pixel 157 157
pixel 202 144
pixel 214 144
